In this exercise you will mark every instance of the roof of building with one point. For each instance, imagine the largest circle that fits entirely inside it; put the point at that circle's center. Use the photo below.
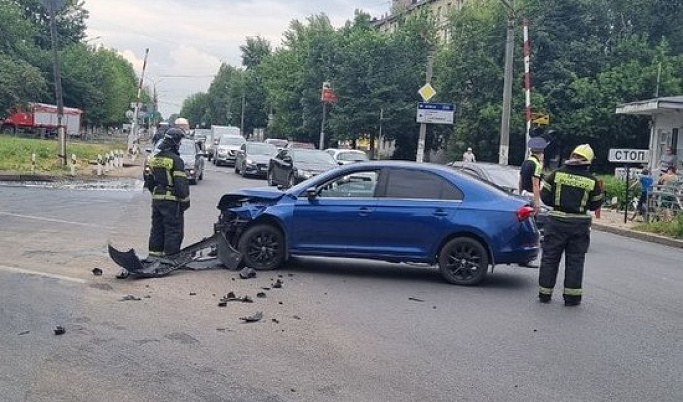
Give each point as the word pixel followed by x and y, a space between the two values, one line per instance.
pixel 652 106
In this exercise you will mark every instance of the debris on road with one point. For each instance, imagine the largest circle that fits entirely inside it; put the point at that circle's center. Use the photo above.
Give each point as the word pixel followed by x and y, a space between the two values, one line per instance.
pixel 230 297
pixel 222 303
pixel 261 295
pixel 415 299
pixel 253 318
pixel 193 294
pixel 296 317
pixel 277 284
pixel 279 275
pixel 247 273
pixel 123 274
pixel 59 330
pixel 290 275
pixel 221 329
pixel 433 307
pixel 275 320
pixel 97 271
pixel 265 288
pixel 24 333
pixel 129 298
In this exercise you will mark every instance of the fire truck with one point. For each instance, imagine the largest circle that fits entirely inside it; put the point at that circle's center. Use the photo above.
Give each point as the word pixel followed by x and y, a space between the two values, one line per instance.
pixel 42 118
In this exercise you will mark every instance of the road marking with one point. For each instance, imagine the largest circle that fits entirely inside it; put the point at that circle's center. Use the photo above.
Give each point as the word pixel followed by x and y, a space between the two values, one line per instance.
pixel 43 274
pixel 40 218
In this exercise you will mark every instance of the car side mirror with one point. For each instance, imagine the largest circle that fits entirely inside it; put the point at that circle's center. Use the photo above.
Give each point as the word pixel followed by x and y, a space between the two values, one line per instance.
pixel 311 193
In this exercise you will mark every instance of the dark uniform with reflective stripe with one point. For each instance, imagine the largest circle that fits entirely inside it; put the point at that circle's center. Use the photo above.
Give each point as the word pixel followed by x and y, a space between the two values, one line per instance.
pixel 572 191
pixel 170 190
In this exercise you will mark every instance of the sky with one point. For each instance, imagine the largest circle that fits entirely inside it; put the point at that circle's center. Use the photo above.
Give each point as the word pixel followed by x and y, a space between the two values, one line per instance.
pixel 189 39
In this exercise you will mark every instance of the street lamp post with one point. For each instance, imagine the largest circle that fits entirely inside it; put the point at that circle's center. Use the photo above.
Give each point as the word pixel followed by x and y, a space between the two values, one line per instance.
pixel 53 6
pixel 504 148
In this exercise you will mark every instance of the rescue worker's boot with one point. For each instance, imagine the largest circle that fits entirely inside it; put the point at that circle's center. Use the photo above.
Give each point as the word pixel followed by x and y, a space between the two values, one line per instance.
pixel 570 300
pixel 544 298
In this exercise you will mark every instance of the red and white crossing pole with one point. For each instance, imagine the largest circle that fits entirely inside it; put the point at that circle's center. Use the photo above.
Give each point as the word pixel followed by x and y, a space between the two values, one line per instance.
pixel 527 80
pixel 133 135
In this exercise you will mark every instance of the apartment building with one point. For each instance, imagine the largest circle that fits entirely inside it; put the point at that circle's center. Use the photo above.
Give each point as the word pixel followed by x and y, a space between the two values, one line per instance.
pixel 440 9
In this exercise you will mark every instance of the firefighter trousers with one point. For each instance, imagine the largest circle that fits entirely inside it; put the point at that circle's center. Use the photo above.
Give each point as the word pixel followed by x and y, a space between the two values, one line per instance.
pixel 571 237
pixel 167 231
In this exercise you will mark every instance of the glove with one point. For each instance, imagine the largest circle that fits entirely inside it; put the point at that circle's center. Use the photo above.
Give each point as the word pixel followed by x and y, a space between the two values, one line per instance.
pixel 184 206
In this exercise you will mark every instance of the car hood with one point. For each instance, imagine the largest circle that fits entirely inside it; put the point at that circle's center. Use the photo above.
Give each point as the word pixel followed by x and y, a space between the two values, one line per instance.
pixel 315 167
pixel 259 158
pixel 255 194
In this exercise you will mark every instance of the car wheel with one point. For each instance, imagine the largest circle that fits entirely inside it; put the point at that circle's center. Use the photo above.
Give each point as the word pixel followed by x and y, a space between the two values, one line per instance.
pixel 463 261
pixel 271 182
pixel 262 247
pixel 291 182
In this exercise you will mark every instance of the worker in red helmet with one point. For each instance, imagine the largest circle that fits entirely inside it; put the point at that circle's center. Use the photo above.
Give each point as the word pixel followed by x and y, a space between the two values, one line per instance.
pixel 572 191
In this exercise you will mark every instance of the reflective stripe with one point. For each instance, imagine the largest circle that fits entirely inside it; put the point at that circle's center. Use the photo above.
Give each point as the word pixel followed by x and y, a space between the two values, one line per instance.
pixel 573 292
pixel 179 173
pixel 165 197
pixel 598 197
pixel 573 180
pixel 545 291
pixel 156 253
pixel 561 214
pixel 160 162
pixel 186 199
pixel 547 186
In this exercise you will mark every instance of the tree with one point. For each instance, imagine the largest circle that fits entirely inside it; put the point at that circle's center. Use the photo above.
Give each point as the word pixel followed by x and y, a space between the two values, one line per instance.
pixel 19 82
pixel 254 51
pixel 196 108
pixel 71 21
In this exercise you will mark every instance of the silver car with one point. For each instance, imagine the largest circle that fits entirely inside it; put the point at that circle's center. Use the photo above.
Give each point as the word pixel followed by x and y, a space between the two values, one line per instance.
pixel 226 150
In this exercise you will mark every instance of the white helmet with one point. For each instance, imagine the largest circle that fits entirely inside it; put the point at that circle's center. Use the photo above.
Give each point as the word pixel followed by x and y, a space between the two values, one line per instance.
pixel 182 123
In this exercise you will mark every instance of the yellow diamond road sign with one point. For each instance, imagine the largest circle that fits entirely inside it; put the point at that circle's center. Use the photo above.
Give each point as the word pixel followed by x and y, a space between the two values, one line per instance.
pixel 427 92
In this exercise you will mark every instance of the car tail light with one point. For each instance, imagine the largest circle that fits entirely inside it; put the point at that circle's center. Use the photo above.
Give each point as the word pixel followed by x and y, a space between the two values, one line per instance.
pixel 524 212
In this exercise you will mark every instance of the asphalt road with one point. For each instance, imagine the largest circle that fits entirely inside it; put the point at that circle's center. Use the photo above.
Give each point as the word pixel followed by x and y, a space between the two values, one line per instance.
pixel 345 331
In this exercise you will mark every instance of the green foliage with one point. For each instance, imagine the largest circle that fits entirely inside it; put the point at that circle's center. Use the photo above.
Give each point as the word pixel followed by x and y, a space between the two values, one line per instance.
pixel 673 228
pixel 19 82
pixel 15 153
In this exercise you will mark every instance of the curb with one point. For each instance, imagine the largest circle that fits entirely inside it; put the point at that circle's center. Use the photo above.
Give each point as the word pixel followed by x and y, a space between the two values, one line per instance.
pixel 653 238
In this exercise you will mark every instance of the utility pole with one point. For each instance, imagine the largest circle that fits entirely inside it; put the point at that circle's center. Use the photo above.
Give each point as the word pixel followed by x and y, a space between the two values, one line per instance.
pixel 373 146
pixel 53 6
pixel 322 127
pixel 133 135
pixel 242 118
pixel 423 126
pixel 527 83
pixel 504 148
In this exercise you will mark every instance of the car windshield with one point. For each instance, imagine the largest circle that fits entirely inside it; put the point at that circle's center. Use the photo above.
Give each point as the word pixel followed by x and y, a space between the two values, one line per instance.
pixel 187 148
pixel 261 149
pixel 277 142
pixel 352 156
pixel 232 140
pixel 312 156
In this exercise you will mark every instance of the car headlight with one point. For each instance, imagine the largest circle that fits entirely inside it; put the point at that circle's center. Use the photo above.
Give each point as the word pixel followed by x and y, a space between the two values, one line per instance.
pixel 305 174
pixel 249 162
pixel 222 151
pixel 191 171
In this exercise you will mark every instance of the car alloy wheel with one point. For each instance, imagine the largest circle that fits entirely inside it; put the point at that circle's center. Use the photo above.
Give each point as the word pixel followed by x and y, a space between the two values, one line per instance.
pixel 262 247
pixel 463 261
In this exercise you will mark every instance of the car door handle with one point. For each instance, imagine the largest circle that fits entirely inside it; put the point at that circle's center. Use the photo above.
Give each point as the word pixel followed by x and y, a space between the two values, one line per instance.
pixel 440 213
pixel 364 211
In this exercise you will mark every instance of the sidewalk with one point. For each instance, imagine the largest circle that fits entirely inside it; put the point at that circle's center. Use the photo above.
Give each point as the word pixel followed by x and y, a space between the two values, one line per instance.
pixel 613 222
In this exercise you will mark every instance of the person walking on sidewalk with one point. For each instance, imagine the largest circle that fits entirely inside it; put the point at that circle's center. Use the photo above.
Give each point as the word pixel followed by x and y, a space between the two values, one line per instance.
pixel 170 190
pixel 572 191
pixel 468 156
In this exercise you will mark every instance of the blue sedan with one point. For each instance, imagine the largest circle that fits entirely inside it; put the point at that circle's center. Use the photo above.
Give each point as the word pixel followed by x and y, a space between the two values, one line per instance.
pixel 392 211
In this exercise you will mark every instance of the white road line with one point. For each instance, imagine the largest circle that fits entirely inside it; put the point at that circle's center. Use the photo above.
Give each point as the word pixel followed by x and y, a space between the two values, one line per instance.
pixel 43 274
pixel 40 218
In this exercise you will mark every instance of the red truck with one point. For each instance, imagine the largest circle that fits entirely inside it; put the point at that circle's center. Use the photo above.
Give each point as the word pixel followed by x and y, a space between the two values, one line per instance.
pixel 42 116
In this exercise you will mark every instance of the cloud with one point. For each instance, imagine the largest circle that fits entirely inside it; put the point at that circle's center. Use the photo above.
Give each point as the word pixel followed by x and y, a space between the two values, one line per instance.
pixel 193 37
